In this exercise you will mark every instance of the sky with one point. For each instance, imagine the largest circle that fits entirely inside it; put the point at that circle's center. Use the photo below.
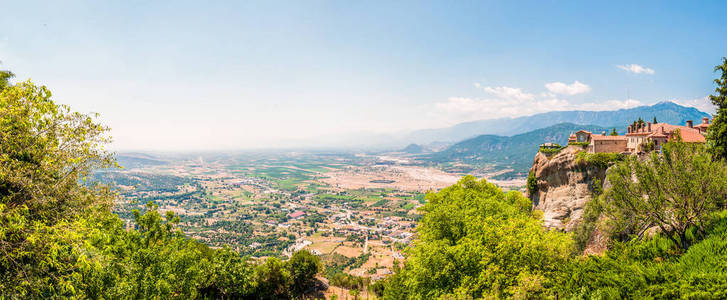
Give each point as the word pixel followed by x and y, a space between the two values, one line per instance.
pixel 197 75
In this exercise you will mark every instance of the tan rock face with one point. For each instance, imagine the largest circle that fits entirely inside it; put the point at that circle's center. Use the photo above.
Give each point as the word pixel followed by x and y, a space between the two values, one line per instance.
pixel 564 187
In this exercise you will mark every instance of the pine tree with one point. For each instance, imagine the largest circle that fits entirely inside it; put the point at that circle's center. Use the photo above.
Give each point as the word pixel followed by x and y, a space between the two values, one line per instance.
pixel 717 133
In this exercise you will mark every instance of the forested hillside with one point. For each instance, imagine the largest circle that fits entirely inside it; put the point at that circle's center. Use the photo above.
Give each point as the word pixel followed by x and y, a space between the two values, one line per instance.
pixel 509 152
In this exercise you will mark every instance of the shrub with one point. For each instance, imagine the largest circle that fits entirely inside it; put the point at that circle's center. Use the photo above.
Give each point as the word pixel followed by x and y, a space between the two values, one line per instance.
pixel 550 150
pixel 532 184
pixel 601 159
pixel 582 144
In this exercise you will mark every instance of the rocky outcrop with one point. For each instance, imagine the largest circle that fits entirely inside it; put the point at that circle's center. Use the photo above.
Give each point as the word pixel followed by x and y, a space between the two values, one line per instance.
pixel 563 187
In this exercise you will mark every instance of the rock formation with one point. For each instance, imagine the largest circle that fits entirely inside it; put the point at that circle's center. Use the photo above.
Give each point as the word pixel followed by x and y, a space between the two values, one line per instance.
pixel 563 187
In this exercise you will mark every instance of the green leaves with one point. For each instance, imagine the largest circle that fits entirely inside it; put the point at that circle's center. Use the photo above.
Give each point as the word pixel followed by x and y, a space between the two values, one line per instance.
pixel 717 132
pixel 5 79
pixel 303 268
pixel 476 241
pixel 58 237
pixel 673 191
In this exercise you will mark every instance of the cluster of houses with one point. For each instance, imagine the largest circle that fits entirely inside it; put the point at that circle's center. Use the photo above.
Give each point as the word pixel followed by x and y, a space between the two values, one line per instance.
pixel 640 134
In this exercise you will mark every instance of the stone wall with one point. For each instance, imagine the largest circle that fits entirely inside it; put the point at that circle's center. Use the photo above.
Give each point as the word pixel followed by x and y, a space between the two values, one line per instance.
pixel 616 146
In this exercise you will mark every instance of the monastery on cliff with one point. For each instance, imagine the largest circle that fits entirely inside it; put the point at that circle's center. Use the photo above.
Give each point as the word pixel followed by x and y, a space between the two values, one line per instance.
pixel 640 134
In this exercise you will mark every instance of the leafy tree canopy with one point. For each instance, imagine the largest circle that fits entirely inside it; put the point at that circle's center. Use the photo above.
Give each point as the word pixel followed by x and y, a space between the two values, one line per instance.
pixel 477 241
pixel 58 237
pixel 673 191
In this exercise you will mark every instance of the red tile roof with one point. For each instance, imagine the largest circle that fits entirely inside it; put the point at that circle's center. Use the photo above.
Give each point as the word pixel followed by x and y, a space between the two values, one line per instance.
pixel 689 135
pixel 296 214
pixel 702 126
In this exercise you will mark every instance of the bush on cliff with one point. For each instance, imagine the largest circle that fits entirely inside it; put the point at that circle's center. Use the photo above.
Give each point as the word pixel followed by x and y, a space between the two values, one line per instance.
pixel 600 159
pixel 653 268
pixel 532 183
pixel 674 191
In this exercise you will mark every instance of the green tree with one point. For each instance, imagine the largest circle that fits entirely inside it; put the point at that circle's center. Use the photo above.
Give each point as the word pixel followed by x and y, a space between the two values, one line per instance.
pixel 5 79
pixel 717 132
pixel 303 268
pixel 46 152
pixel 273 279
pixel 613 132
pixel 59 239
pixel 673 191
pixel 355 293
pixel 654 122
pixel 532 184
pixel 477 241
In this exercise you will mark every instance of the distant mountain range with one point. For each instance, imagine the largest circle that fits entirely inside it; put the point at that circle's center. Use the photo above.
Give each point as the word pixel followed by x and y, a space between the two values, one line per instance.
pixel 413 149
pixel 509 152
pixel 668 112
pixel 131 160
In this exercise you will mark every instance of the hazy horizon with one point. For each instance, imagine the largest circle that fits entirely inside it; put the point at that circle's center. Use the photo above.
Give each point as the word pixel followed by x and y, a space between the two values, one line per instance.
pixel 190 76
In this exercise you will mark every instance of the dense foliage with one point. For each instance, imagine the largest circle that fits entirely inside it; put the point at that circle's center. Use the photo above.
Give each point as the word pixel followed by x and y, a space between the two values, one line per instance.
pixel 58 237
pixel 477 241
pixel 600 159
pixel 664 215
pixel 551 150
pixel 531 183
pixel 717 134
pixel 653 268
pixel 673 191
pixel 582 144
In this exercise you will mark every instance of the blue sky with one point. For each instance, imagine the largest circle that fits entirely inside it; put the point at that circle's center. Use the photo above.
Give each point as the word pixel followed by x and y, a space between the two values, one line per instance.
pixel 190 75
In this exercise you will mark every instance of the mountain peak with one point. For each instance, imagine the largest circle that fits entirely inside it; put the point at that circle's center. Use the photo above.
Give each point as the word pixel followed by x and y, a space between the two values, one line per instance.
pixel 667 103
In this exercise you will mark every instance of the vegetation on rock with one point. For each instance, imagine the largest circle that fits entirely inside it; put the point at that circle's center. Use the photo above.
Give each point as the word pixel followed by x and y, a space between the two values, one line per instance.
pixel 600 159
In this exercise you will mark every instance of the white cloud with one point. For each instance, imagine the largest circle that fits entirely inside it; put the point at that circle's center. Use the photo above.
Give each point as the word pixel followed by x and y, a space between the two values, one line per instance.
pixel 505 92
pixel 514 102
pixel 609 105
pixel 575 88
pixel 702 104
pixel 464 109
pixel 461 109
pixel 637 69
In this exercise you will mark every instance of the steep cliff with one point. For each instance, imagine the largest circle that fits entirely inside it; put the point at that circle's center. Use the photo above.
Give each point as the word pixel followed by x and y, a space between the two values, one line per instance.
pixel 563 187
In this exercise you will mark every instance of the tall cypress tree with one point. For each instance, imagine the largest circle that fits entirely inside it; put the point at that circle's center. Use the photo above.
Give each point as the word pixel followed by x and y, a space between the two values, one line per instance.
pixel 717 133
